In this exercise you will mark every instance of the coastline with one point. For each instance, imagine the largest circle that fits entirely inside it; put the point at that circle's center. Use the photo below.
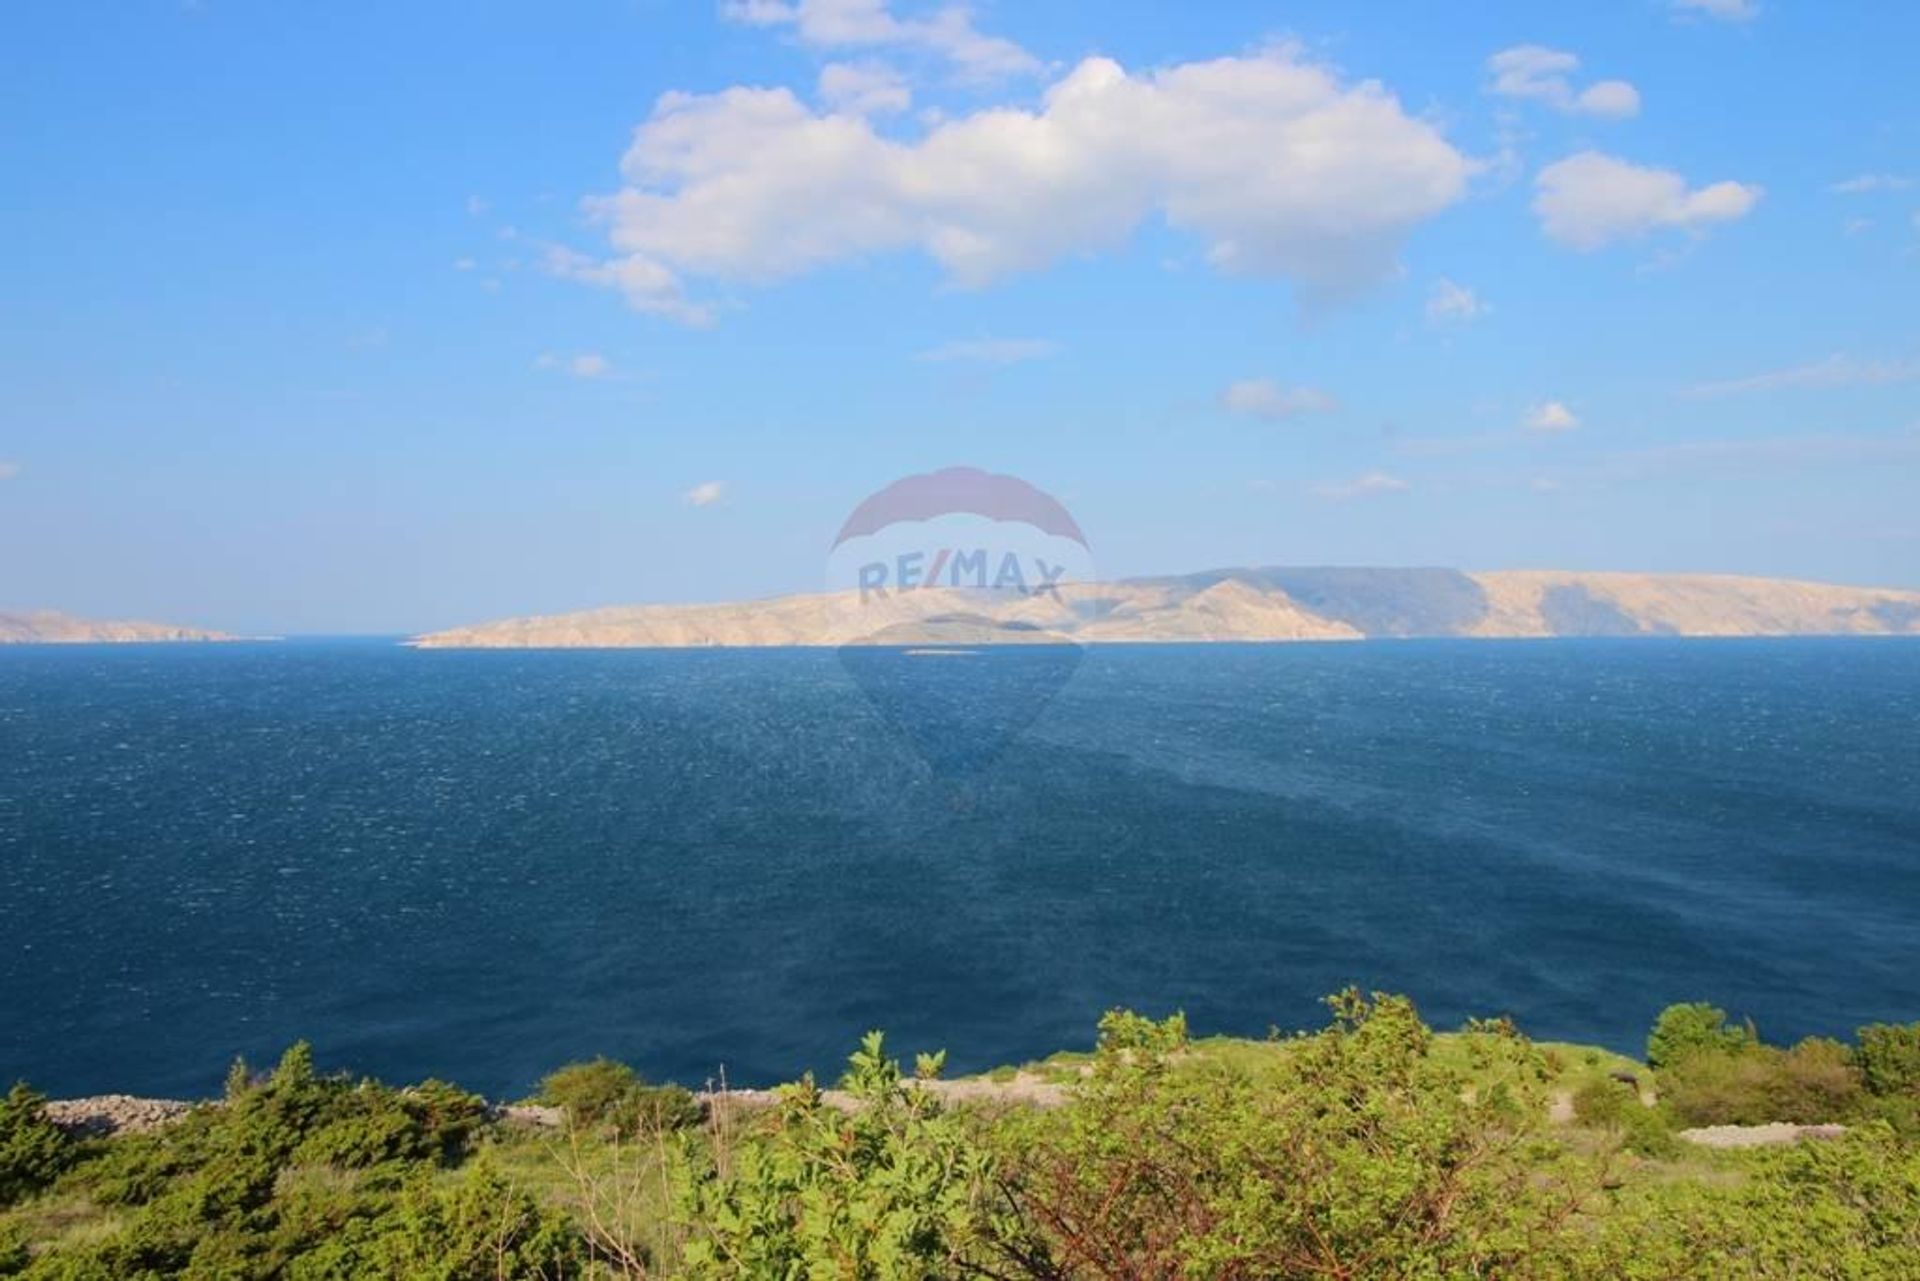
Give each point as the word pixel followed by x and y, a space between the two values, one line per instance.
pixel 1033 1086
pixel 1440 1137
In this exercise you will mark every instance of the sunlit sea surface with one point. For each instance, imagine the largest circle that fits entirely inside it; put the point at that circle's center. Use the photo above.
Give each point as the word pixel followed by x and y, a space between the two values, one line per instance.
pixel 482 865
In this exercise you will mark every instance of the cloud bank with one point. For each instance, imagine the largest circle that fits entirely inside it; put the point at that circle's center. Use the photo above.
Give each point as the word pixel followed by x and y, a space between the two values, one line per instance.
pixel 1279 166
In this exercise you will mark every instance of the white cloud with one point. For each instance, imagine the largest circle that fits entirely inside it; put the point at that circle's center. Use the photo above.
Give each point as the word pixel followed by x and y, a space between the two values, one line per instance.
pixel 705 494
pixel 1867 183
pixel 588 364
pixel 1448 302
pixel 1265 398
pixel 476 206
pixel 464 264
pixel 1590 200
pixel 1724 10
pixel 646 284
pixel 864 88
pixel 1551 417
pixel 1835 371
pixel 854 24
pixel 991 351
pixel 1275 163
pixel 1532 71
pixel 1535 72
pixel 9 470
pixel 1370 485
pixel 1612 99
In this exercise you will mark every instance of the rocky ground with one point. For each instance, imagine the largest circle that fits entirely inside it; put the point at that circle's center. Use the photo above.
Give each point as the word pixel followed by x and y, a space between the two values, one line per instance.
pixel 105 1114
pixel 1759 1136
pixel 109 1114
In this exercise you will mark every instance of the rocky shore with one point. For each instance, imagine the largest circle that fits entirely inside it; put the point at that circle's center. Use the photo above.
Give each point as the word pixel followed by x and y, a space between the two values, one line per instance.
pixel 106 1115
pixel 109 1114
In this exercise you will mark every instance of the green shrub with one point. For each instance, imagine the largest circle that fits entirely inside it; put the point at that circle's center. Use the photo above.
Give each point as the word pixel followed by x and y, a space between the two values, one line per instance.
pixel 605 1093
pixel 1682 1031
pixel 239 1079
pixel 659 1108
pixel 896 1188
pixel 1649 1132
pixel 1847 1208
pixel 1820 1077
pixel 268 1182
pixel 1889 1057
pixel 475 1228
pixel 1367 1157
pixel 589 1093
pixel 1813 1082
pixel 1898 1112
pixel 1605 1104
pixel 372 1125
pixel 1125 1030
pixel 14 1252
pixel 1600 1101
pixel 33 1150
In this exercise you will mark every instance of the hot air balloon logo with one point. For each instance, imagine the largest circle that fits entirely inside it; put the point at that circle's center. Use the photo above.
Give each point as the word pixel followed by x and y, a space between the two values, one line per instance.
pixel 955 595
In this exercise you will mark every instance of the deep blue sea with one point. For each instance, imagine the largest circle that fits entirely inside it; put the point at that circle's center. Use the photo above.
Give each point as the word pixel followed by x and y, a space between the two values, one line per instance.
pixel 481 865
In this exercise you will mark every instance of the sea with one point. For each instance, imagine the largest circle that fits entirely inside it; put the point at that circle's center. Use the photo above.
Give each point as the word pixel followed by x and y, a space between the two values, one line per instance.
pixel 480 865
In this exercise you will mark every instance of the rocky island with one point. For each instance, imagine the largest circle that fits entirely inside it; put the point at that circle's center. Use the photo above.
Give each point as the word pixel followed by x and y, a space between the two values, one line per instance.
pixel 49 627
pixel 1265 604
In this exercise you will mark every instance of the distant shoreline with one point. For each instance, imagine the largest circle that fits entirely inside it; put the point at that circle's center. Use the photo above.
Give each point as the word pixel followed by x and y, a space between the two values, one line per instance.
pixel 51 627
pixel 1276 604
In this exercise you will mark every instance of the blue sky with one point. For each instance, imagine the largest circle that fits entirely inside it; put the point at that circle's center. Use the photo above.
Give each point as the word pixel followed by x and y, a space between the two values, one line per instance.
pixel 373 317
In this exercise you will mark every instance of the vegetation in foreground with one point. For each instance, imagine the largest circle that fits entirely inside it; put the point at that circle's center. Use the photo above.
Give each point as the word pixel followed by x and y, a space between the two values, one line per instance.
pixel 1372 1148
